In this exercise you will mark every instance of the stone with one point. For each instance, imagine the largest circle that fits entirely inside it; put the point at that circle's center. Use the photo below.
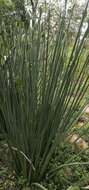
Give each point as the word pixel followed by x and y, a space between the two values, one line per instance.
pixel 87 110
pixel 78 142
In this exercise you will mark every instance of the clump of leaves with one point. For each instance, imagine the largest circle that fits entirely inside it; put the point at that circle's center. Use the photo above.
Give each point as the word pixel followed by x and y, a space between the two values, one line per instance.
pixel 37 106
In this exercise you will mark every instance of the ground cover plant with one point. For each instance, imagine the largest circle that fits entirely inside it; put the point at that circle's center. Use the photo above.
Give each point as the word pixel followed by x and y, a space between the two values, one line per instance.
pixel 37 86
pixel 69 165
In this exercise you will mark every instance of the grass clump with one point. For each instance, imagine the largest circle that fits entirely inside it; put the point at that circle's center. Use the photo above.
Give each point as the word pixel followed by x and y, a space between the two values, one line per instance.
pixel 37 106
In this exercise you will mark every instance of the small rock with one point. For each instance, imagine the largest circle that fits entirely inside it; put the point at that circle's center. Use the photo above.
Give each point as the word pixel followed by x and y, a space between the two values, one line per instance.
pixel 78 142
pixel 80 124
pixel 87 110
pixel 73 138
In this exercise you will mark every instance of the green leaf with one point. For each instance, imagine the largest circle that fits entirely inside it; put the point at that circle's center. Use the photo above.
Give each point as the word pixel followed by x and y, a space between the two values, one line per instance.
pixel 73 188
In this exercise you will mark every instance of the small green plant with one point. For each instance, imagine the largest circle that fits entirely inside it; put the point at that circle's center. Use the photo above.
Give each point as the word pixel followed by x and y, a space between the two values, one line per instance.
pixel 37 106
pixel 67 175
